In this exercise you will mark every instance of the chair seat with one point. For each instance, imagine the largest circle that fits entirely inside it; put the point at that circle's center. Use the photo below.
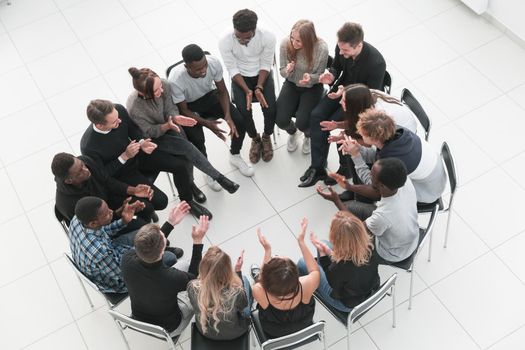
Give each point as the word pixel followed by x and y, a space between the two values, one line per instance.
pixel 340 315
pixel 115 298
pixel 429 207
pixel 200 342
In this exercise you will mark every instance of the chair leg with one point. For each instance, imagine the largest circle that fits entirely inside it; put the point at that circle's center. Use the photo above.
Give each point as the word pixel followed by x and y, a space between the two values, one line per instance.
pixel 393 291
pixel 429 247
pixel 85 292
pixel 348 332
pixel 122 335
pixel 446 230
pixel 411 287
pixel 274 138
pixel 173 192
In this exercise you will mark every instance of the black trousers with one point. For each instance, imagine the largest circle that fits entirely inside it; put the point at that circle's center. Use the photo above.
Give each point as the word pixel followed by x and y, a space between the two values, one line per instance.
pixel 239 99
pixel 297 101
pixel 209 107
pixel 326 109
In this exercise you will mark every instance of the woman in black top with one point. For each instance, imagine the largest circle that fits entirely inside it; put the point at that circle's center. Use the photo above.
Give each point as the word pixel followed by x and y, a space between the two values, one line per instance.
pixel 349 270
pixel 284 299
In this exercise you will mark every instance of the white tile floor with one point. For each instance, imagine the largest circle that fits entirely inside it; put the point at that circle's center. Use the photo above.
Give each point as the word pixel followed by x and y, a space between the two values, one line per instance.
pixel 56 55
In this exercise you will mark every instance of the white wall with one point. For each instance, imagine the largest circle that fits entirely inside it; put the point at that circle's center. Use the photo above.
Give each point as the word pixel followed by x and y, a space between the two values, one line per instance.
pixel 510 13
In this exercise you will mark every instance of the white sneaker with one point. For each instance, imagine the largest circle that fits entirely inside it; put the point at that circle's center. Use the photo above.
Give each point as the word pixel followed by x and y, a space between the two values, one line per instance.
pixel 306 145
pixel 244 168
pixel 292 142
pixel 214 185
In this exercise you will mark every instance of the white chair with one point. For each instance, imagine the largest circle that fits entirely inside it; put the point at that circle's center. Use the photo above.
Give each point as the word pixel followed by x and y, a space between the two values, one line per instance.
pixel 349 318
pixel 305 336
pixel 152 330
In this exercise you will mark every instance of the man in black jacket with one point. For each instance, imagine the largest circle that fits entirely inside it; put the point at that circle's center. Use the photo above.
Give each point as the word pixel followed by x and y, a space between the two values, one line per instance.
pixel 355 61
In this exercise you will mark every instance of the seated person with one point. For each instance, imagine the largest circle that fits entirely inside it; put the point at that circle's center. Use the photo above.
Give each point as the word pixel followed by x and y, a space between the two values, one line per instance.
pixel 302 58
pixel 78 177
pixel 107 141
pixel 349 269
pixel 393 221
pixel 355 99
pixel 220 297
pixel 199 91
pixel 284 299
pixel 248 53
pixel 157 292
pixel 152 109
pixel 424 166
pixel 96 250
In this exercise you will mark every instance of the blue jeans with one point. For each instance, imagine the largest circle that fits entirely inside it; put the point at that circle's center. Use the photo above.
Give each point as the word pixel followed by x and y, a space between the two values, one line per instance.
pixel 248 291
pixel 324 290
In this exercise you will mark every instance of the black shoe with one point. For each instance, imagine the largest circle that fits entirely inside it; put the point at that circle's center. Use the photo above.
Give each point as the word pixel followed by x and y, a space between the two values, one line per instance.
pixel 227 184
pixel 346 196
pixel 154 217
pixel 341 171
pixel 305 175
pixel 198 195
pixel 175 250
pixel 197 210
pixel 312 177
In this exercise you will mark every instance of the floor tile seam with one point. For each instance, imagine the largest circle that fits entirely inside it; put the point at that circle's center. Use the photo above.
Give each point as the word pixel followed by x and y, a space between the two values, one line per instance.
pixel 505 263
pixel 455 319
pixel 47 335
pixel 472 228
pixel 253 227
pixel 32 22
pixel 504 337
pixel 15 162
pixel 501 165
pixel 67 6
pixel 426 19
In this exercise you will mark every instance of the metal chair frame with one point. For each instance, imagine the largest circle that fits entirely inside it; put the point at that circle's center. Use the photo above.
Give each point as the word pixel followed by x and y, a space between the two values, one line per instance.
pixel 410 100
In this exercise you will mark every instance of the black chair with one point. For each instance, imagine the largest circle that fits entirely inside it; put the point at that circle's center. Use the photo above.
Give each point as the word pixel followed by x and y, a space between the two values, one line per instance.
pixel 450 166
pixel 200 342
pixel 408 98
pixel 349 318
pixel 387 82
pixel 408 263
pixel 305 336
pixel 62 220
pixel 168 70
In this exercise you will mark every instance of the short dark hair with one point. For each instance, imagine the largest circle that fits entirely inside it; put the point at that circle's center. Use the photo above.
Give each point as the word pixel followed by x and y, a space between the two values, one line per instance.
pixel 392 172
pixel 97 110
pixel 61 164
pixel 148 243
pixel 192 53
pixel 87 209
pixel 351 33
pixel 245 20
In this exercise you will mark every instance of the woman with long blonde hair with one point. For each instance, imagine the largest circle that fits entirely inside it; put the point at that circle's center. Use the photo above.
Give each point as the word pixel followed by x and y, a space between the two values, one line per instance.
pixel 220 297
pixel 303 58
pixel 348 268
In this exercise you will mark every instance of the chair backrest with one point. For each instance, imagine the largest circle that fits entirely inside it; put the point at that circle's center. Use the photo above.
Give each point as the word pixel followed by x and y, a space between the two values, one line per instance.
pixel 142 327
pixel 408 98
pixel 451 168
pixel 375 298
pixel 387 82
pixel 168 70
pixel 201 342
pixel 62 220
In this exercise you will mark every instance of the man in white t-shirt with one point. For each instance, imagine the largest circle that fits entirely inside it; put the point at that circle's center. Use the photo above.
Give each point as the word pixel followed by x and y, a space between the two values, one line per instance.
pixel 199 91
pixel 248 53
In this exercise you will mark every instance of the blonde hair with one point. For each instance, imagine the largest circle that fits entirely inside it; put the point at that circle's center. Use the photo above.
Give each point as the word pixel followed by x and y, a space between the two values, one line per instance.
pixel 306 31
pixel 216 287
pixel 350 240
pixel 376 124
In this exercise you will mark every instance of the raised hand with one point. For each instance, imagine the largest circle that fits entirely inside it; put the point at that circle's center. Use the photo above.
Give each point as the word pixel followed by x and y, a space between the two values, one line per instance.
pixel 329 195
pixel 128 210
pixel 143 191
pixel 172 125
pixel 340 179
pixel 322 248
pixel 178 213
pixel 147 146
pixel 328 125
pixel 213 125
pixel 240 260
pixel 349 146
pixel 198 232
pixel 184 121
pixel 336 94
pixel 262 239
pixel 326 78
pixel 305 80
pixel 304 226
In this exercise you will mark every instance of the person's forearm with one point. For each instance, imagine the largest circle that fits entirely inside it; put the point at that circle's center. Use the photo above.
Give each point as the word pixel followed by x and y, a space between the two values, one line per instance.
pixel 263 75
pixel 267 256
pixel 185 111
pixel 239 80
pixel 224 100
pixel 311 264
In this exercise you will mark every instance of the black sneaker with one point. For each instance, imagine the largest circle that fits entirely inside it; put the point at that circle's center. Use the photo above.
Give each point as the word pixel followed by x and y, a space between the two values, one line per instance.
pixel 228 184
pixel 198 195
pixel 197 210
pixel 154 217
pixel 175 250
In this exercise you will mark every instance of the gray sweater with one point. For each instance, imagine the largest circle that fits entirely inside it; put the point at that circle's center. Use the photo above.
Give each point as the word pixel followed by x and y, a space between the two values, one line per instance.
pixel 150 114
pixel 301 63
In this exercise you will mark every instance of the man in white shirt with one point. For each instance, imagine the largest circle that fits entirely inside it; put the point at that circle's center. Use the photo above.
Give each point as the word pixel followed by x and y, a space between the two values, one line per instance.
pixel 199 92
pixel 248 54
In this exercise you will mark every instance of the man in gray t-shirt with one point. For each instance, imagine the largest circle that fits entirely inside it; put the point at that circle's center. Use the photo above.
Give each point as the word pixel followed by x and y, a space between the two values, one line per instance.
pixel 393 220
pixel 199 91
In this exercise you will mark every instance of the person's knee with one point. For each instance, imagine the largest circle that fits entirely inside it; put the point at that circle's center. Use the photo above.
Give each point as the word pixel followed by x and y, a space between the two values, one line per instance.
pixel 302 121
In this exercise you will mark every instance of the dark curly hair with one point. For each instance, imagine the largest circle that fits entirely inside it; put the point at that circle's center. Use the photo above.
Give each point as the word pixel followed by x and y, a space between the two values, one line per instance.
pixel 245 20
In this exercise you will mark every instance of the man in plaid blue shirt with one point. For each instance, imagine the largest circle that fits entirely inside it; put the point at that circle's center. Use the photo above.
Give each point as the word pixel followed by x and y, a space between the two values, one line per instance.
pixel 94 250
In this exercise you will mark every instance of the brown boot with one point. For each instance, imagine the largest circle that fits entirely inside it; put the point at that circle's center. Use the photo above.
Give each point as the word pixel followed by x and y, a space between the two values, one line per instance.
pixel 267 149
pixel 255 150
